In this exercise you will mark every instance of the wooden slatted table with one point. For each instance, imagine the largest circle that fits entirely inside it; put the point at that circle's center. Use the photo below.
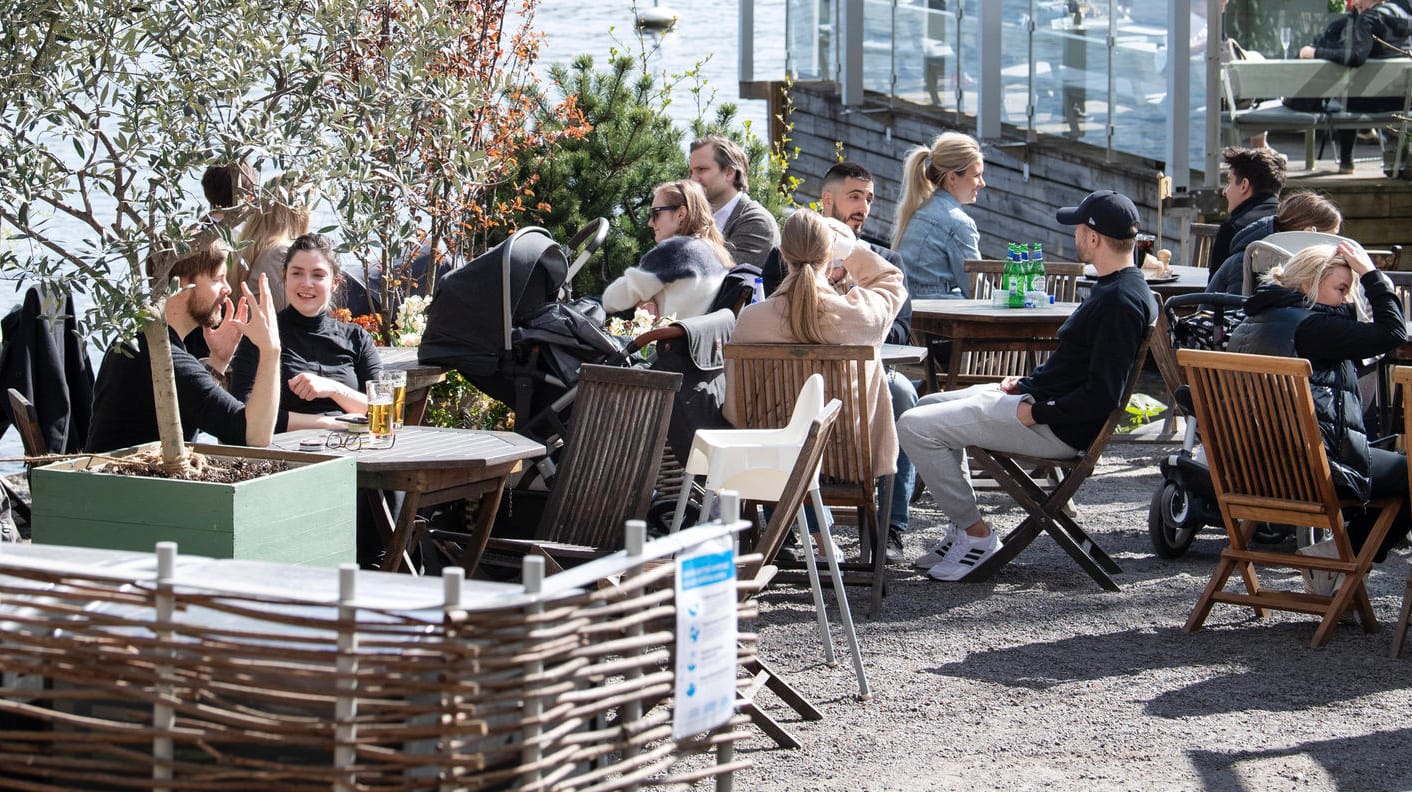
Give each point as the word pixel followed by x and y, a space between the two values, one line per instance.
pixel 978 323
pixel 431 465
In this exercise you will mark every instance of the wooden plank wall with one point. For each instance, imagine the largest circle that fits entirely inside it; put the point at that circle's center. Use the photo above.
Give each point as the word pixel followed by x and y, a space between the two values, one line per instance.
pixel 1019 207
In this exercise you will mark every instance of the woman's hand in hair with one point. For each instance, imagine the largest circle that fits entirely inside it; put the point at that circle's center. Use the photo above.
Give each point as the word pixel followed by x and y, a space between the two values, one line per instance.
pixel 1357 258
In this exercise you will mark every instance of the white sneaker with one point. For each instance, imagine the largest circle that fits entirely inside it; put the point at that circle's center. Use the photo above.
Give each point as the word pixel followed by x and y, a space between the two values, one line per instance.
pixel 968 553
pixel 937 554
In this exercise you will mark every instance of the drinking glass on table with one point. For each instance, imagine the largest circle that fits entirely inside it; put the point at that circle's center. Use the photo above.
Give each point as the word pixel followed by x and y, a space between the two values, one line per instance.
pixel 380 425
pixel 399 394
pixel 1143 245
pixel 1286 36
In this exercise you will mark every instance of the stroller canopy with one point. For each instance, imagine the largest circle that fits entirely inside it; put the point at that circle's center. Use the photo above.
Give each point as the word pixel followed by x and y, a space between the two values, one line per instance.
pixel 469 323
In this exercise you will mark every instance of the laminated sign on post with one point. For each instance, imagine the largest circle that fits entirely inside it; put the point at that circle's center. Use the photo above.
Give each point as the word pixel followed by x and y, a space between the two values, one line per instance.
pixel 706 637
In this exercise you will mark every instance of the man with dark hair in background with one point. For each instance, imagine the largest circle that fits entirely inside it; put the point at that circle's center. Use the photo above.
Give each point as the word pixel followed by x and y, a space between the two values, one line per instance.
pixel 719 165
pixel 1254 178
pixel 225 186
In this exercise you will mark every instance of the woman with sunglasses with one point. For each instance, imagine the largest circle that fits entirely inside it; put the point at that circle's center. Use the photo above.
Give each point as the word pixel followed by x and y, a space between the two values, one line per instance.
pixel 682 273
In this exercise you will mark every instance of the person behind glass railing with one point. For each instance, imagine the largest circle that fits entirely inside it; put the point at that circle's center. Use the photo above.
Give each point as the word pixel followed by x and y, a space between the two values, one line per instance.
pixel 1371 30
pixel 1306 309
pixel 933 233
pixel 325 362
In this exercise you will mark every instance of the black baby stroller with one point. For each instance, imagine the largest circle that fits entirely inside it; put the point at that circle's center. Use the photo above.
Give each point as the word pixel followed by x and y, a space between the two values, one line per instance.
pixel 499 322
pixel 1186 500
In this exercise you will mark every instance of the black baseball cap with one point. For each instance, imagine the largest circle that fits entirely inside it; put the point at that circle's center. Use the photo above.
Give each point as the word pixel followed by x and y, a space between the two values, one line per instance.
pixel 1109 213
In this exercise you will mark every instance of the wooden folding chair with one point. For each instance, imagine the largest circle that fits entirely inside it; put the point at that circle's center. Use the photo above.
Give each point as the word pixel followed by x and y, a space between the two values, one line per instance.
pixel 1047 509
pixel 26 420
pixel 1404 617
pixel 1402 381
pixel 1061 278
pixel 606 470
pixel 766 379
pixel 1268 464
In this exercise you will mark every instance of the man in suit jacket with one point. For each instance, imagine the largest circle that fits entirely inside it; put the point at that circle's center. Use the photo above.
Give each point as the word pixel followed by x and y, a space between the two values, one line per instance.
pixel 720 167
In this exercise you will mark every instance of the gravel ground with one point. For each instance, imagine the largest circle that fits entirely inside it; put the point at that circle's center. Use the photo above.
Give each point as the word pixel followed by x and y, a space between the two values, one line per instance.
pixel 1038 679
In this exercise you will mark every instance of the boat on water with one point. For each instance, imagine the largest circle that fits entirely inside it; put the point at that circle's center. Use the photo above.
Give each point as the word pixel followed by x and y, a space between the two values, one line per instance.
pixel 657 18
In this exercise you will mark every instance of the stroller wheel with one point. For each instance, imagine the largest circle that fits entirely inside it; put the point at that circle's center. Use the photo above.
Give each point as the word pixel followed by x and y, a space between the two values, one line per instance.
pixel 1170 522
pixel 660 513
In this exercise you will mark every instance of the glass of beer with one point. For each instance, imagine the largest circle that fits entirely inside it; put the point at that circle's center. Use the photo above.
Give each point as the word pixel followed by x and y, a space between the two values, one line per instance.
pixel 399 394
pixel 380 427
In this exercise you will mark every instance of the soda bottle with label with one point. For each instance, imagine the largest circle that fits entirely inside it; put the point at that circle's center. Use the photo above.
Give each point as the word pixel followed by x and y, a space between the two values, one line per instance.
pixel 1037 285
pixel 1000 292
pixel 1017 282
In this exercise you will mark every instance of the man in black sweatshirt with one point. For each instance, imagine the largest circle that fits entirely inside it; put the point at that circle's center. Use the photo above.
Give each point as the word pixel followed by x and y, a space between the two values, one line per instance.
pixel 1053 413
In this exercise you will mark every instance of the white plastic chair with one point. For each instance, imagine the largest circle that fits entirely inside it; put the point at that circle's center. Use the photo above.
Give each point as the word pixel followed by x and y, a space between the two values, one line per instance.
pixel 756 464
pixel 1295 241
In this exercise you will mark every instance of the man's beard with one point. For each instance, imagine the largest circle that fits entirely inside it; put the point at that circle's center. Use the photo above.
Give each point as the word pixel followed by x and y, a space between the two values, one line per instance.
pixel 206 315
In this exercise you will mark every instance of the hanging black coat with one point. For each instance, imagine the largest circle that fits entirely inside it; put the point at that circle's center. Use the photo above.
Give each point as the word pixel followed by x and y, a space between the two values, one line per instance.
pixel 51 369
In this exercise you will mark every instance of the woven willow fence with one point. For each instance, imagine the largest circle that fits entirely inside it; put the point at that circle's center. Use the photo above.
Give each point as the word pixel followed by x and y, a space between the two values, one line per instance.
pixel 116 678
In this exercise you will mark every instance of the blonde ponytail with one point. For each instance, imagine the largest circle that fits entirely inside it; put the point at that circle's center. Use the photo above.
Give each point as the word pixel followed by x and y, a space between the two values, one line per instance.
pixel 924 172
pixel 805 244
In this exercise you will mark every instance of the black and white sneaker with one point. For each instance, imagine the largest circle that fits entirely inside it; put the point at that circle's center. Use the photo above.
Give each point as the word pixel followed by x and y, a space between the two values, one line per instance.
pixel 966 554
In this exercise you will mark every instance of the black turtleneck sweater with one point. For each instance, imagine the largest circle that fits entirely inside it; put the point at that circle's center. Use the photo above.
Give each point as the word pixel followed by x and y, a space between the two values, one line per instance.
pixel 318 345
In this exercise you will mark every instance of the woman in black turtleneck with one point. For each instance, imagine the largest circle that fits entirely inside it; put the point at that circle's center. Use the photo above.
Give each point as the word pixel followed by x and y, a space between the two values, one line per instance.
pixel 325 362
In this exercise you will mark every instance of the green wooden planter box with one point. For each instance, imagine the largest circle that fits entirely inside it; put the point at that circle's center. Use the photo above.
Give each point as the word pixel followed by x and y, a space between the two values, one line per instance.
pixel 304 515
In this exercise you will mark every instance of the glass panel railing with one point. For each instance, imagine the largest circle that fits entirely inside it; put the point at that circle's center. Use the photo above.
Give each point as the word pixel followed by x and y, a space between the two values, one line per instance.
pixel 809 39
pixel 1070 54
pixel 1059 74
pixel 880 34
pixel 925 59
pixel 1139 67
pixel 967 78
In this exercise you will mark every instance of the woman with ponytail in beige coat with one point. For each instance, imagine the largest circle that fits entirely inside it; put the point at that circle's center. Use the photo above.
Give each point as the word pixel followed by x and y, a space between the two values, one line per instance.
pixel 834 292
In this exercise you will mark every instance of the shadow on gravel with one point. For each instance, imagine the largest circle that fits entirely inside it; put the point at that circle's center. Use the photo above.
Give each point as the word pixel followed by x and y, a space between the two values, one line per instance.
pixel 1345 760
pixel 1263 667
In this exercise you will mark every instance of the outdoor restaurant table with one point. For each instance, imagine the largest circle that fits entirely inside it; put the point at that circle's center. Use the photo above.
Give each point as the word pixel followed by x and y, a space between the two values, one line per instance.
pixel 900 354
pixel 968 322
pixel 420 378
pixel 1184 280
pixel 432 465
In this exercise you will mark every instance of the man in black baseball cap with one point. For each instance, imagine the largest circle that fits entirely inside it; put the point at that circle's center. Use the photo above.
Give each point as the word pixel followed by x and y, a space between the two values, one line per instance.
pixel 1109 213
pixel 1055 412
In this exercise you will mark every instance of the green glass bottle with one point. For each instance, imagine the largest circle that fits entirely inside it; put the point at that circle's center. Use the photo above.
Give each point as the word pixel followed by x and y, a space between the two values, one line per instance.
pixel 1017 283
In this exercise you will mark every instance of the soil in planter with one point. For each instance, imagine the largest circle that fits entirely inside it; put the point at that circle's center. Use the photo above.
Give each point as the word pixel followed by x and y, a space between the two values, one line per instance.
pixel 215 470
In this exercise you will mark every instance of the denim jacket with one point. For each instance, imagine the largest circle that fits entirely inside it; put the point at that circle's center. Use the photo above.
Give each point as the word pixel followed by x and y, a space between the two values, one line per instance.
pixel 938 241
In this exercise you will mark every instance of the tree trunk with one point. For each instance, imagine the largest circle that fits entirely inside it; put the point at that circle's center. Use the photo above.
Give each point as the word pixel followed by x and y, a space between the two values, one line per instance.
pixel 159 349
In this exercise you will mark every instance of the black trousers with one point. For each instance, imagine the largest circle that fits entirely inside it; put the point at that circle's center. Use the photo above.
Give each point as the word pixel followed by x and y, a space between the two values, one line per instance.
pixel 1389 481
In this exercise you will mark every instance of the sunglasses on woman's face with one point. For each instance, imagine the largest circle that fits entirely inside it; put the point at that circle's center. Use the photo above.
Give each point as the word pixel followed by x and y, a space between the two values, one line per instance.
pixel 656 210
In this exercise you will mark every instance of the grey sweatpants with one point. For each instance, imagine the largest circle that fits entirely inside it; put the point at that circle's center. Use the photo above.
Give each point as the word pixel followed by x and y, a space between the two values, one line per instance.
pixel 936 432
